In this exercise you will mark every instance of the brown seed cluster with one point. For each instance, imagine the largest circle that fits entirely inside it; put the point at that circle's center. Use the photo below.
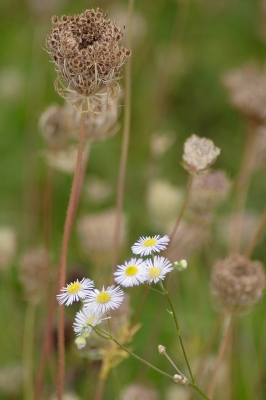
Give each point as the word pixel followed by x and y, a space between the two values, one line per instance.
pixel 85 50
pixel 237 283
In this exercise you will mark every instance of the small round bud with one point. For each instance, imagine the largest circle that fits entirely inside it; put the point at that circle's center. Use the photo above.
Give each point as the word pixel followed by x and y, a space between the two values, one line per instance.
pixel 177 378
pixel 80 342
pixel 184 381
pixel 162 349
pixel 180 265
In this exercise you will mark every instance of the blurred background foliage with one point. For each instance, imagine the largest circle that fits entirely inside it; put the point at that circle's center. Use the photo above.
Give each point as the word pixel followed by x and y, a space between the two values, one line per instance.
pixel 181 50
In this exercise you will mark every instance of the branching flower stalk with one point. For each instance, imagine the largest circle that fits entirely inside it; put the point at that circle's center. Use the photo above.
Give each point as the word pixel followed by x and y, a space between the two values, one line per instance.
pixel 105 335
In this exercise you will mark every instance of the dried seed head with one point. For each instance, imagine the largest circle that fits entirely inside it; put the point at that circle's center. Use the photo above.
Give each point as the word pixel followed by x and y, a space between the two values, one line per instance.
pixel 98 190
pixel 137 392
pixel 161 142
pixel 209 191
pixel 86 52
pixel 237 283
pixel 199 154
pixel 101 124
pixel 246 88
pixel 33 274
pixel 53 127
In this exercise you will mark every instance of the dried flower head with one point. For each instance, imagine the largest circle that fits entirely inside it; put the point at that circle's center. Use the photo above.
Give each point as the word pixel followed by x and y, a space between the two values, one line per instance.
pixel 102 123
pixel 53 127
pixel 209 191
pixel 98 190
pixel 137 392
pixel 7 246
pixel 199 154
pixel 246 87
pixel 33 274
pixel 86 52
pixel 237 283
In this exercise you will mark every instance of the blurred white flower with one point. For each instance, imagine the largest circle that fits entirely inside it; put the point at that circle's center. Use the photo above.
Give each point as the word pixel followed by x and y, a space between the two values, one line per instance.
pixel 7 246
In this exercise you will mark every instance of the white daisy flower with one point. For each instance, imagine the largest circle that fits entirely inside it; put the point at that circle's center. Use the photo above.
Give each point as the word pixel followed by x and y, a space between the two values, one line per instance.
pixel 146 245
pixel 101 302
pixel 75 291
pixel 85 321
pixel 157 269
pixel 131 273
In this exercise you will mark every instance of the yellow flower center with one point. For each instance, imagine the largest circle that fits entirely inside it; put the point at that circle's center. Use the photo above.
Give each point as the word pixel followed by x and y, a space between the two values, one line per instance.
pixel 150 242
pixel 89 321
pixel 103 297
pixel 74 288
pixel 131 270
pixel 154 272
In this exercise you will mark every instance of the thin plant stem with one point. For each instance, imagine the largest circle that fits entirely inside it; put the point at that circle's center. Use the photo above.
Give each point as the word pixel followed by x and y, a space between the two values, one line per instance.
pixel 100 389
pixel 28 350
pixel 150 365
pixel 63 259
pixel 173 364
pixel 181 213
pixel 179 334
pixel 254 239
pixel 220 355
pixel 125 144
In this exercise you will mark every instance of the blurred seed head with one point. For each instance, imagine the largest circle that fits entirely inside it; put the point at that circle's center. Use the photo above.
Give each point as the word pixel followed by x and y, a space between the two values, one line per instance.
pixel 137 392
pixel 190 238
pixel 8 245
pixel 96 233
pixel 86 51
pixel 209 191
pixel 163 201
pixel 161 142
pixel 227 228
pixel 33 274
pixel 63 160
pixel 237 283
pixel 199 154
pixel 99 125
pixel 11 378
pixel 246 89
pixel 11 83
pixel 53 127
pixel 97 190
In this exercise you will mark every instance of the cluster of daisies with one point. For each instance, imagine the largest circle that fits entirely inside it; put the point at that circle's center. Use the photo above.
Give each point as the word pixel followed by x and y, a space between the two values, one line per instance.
pixel 97 303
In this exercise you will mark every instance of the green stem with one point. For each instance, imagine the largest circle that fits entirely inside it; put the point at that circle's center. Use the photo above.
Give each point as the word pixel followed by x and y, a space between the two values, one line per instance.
pixel 155 290
pixel 179 333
